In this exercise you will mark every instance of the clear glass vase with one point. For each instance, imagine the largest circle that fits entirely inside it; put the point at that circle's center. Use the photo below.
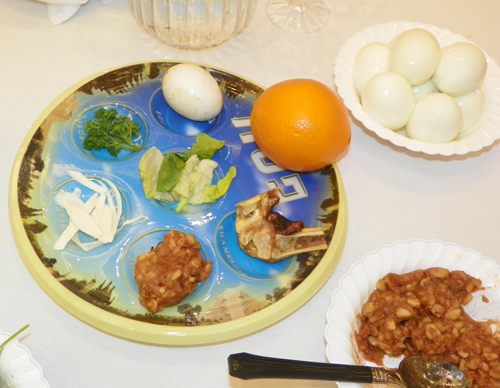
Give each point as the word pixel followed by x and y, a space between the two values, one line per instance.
pixel 193 25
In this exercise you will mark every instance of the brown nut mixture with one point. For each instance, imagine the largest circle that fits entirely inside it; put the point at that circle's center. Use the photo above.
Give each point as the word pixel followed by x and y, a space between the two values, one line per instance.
pixel 422 312
pixel 170 272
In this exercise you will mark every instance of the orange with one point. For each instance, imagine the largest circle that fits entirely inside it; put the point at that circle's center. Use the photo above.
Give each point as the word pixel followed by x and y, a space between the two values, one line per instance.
pixel 300 125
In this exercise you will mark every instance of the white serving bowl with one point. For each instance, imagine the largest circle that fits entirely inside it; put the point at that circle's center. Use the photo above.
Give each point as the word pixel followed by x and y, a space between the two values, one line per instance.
pixel 402 257
pixel 482 134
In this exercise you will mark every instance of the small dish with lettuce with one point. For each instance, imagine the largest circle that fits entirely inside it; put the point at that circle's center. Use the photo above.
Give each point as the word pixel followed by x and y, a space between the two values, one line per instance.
pixel 185 177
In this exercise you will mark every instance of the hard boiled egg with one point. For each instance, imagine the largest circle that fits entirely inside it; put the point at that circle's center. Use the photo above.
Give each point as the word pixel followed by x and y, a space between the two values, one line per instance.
pixel 423 90
pixel 192 92
pixel 461 69
pixel 436 118
pixel 472 106
pixel 388 98
pixel 372 59
pixel 415 54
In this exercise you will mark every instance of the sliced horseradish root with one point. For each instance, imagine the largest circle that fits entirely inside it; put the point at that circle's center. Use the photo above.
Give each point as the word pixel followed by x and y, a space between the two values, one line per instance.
pixel 98 217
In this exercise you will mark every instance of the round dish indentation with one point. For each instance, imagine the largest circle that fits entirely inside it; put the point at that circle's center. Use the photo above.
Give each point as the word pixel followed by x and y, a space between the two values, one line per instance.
pixel 78 133
pixel 58 218
pixel 144 243
pixel 233 257
pixel 170 120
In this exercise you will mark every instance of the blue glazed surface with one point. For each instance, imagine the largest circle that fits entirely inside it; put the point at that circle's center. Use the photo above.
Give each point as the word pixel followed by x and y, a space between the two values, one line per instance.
pixel 104 276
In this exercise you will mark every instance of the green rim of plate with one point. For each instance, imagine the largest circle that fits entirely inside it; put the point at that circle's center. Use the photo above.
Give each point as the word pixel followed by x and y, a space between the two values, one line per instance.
pixel 148 333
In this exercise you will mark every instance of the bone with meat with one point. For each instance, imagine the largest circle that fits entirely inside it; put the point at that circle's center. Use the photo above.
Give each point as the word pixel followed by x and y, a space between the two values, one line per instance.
pixel 269 236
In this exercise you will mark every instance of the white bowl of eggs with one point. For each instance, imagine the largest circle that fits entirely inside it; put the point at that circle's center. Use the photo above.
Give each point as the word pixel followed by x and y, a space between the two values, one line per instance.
pixel 421 87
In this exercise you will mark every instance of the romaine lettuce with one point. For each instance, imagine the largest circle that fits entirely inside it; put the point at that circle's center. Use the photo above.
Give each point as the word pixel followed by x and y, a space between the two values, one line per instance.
pixel 184 177
pixel 149 167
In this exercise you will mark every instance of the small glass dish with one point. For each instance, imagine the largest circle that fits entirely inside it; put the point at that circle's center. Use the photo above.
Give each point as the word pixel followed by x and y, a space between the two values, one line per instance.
pixel 193 26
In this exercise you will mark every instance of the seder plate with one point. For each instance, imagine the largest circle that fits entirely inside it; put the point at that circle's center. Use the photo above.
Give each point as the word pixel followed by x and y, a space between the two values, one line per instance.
pixel 242 295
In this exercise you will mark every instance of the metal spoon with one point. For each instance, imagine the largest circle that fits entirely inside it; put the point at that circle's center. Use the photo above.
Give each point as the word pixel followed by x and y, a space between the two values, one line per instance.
pixel 413 372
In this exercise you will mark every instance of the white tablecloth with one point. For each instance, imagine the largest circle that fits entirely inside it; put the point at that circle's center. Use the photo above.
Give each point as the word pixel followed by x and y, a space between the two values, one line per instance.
pixel 392 194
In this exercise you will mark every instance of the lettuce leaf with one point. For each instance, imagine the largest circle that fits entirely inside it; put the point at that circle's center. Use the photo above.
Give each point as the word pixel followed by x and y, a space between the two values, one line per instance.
pixel 170 171
pixel 212 192
pixel 205 147
pixel 149 166
pixel 171 168
pixel 196 175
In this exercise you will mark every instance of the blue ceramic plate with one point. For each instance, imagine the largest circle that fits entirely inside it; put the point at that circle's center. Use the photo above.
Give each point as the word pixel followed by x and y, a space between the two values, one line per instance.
pixel 242 295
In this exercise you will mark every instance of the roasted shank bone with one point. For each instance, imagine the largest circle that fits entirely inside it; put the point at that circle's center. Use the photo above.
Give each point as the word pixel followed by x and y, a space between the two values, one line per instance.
pixel 270 237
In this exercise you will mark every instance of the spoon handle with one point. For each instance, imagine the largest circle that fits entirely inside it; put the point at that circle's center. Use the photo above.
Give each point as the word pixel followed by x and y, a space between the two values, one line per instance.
pixel 248 366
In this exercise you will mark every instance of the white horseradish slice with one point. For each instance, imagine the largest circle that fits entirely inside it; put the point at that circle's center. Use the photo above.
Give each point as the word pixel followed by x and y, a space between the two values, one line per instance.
pixel 98 217
pixel 77 213
pixel 72 228
pixel 83 180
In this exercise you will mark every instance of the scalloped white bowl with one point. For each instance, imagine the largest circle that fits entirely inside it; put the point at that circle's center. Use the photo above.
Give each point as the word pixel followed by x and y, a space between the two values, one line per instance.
pixel 402 257
pixel 18 367
pixel 482 134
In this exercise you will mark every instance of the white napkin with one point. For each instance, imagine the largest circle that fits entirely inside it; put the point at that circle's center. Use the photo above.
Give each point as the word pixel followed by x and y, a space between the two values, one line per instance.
pixel 59 11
